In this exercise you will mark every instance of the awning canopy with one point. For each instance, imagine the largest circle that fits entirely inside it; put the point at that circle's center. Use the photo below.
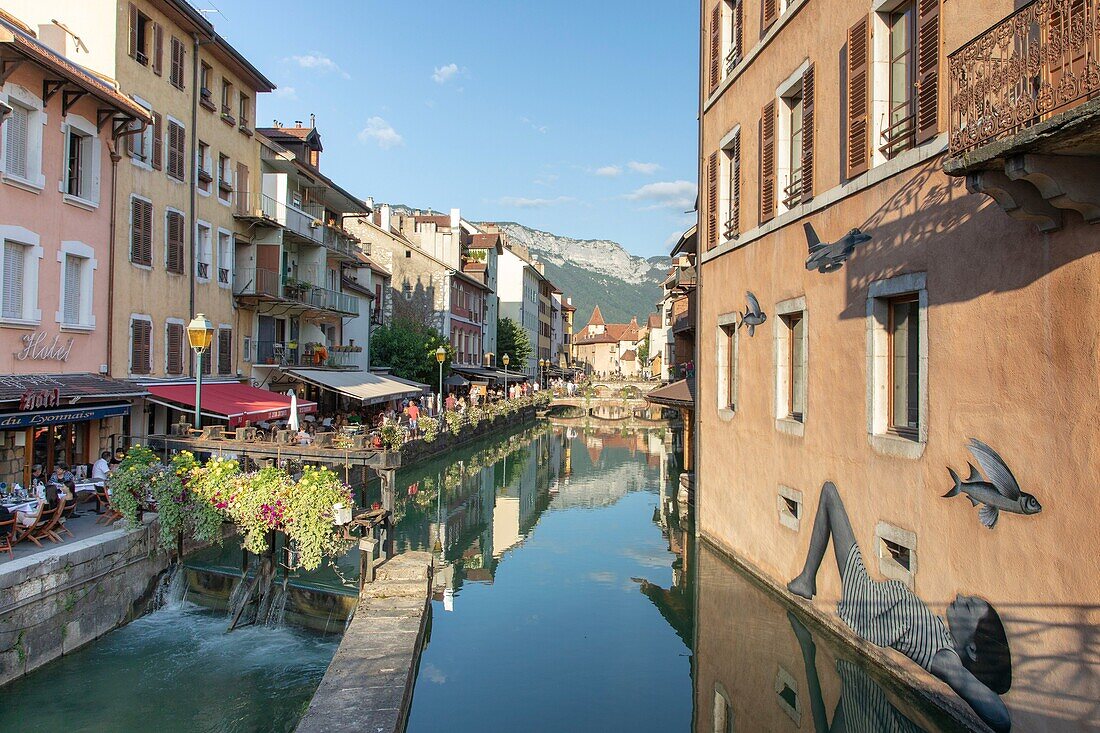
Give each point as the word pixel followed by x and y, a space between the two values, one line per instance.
pixel 67 389
pixel 456 380
pixel 229 401
pixel 366 387
pixel 677 394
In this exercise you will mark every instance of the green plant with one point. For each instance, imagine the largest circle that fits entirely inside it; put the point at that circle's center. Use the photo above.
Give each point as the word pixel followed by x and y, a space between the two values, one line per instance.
pixel 429 428
pixel 393 437
pixel 453 420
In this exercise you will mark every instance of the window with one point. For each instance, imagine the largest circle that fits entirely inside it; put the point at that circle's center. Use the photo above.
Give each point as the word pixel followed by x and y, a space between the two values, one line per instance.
pixel 144 147
pixel 178 62
pixel 407 290
pixel 244 112
pixel 900 132
pixel 17 141
pixel 796 365
pixel 142 33
pixel 71 311
pixel 206 92
pixel 792 140
pixel 176 147
pixel 173 242
pixel 225 178
pixel 227 100
pixel 903 359
pixel 15 269
pixel 141 232
pixel 731 214
pixel 897 553
pixel 793 190
pixel 735 42
pixel 141 347
pixel 726 363
pixel 225 351
pixel 78 164
pixel 789 504
pixel 204 175
pixel 225 258
pixel 203 253
pixel 174 338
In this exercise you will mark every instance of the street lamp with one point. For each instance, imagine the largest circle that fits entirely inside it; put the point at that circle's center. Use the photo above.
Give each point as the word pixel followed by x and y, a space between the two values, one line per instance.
pixel 440 356
pixel 505 360
pixel 200 332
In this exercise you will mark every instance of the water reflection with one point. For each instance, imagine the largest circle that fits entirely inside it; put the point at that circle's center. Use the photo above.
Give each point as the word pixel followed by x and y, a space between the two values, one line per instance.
pixel 758 667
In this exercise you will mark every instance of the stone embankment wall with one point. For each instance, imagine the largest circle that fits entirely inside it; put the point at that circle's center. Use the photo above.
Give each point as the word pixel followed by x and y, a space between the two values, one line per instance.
pixel 55 601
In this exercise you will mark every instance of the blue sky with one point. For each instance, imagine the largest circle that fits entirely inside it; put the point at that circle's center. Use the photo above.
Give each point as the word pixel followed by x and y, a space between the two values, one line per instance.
pixel 574 117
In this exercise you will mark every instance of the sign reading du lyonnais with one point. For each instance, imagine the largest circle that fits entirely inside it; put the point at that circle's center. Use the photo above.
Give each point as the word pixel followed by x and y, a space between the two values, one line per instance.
pixel 60 417
pixel 37 346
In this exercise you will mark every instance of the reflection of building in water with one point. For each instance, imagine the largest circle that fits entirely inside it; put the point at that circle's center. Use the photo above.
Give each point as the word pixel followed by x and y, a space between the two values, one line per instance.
pixel 758 668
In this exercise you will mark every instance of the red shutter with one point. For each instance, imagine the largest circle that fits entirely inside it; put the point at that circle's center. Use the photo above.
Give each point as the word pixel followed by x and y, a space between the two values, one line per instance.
pixel 767 162
pixel 132 50
pixel 771 12
pixel 859 135
pixel 715 46
pixel 738 29
pixel 928 69
pixel 158 140
pixel 158 49
pixel 140 347
pixel 712 201
pixel 242 186
pixel 178 56
pixel 808 133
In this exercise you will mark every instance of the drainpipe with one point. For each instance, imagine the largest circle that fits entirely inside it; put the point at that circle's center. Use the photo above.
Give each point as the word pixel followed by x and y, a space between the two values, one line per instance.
pixel 112 149
pixel 195 65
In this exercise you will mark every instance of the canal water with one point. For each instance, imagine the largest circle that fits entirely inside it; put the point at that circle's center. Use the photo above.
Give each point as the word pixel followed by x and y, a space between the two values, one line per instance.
pixel 564 600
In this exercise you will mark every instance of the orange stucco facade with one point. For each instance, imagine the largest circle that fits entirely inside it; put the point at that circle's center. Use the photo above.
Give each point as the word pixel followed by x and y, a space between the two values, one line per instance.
pixel 1008 355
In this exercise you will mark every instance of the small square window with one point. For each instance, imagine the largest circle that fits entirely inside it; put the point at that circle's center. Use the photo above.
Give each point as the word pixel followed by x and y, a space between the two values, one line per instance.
pixel 897 553
pixel 789 504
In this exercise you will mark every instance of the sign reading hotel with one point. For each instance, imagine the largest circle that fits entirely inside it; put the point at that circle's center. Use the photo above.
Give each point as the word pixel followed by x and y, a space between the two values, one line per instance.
pixel 37 347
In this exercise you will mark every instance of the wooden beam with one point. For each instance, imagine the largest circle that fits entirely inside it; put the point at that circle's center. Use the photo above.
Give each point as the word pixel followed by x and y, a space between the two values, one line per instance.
pixel 50 87
pixel 69 97
pixel 102 116
pixel 7 66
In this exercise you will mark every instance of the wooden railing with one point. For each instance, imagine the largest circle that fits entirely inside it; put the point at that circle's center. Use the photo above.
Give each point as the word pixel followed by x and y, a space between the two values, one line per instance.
pixel 1039 61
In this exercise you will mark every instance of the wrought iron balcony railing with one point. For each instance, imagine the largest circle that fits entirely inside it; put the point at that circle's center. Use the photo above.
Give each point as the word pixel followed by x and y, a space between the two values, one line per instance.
pixel 1039 61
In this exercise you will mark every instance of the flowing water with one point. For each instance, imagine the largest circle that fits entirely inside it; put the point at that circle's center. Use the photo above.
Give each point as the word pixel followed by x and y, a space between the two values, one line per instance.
pixel 569 596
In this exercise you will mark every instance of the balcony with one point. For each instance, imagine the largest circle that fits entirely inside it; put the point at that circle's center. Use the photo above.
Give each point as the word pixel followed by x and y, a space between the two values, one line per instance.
pixel 259 285
pixel 294 354
pixel 256 207
pixel 1024 114
pixel 302 224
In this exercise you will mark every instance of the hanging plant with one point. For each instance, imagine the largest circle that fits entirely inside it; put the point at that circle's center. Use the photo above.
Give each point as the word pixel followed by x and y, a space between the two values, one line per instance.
pixel 429 428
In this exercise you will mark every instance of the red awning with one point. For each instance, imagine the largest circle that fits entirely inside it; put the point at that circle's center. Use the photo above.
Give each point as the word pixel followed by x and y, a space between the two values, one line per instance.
pixel 233 402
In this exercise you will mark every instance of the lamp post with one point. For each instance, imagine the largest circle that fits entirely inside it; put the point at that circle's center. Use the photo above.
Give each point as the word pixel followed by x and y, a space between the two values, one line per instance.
pixel 440 356
pixel 505 360
pixel 544 364
pixel 200 332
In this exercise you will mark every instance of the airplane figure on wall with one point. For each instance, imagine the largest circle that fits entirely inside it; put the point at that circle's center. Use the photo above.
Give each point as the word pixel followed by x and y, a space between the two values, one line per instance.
pixel 831 257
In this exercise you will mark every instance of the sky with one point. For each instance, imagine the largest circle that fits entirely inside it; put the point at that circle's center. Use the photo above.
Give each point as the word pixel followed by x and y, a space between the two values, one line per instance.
pixel 575 117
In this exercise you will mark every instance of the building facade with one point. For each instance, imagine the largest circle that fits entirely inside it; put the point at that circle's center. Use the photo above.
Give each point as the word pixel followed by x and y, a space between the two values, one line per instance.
pixel 880 359
pixel 609 349
pixel 519 283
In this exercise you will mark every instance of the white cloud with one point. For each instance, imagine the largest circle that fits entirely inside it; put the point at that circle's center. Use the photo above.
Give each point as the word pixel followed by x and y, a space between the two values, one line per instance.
pixel 646 168
pixel 443 74
pixel 290 94
pixel 608 171
pixel 533 125
pixel 666 194
pixel 546 179
pixel 520 202
pixel 319 62
pixel 381 132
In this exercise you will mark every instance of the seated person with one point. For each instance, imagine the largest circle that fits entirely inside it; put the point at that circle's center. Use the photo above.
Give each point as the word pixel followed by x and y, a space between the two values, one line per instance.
pixel 303 437
pixel 970 652
pixel 27 519
pixel 101 469
pixel 61 474
pixel 37 475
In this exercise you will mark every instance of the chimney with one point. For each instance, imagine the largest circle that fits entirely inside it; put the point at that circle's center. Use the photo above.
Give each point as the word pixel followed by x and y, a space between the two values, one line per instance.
pixel 297 123
pixel 385 217
pixel 312 121
pixel 370 202
pixel 455 219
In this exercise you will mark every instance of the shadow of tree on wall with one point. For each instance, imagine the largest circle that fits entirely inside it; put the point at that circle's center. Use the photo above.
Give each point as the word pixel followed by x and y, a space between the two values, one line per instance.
pixel 932 219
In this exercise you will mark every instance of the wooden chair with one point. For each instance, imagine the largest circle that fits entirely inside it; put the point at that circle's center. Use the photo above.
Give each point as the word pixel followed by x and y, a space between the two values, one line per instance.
pixel 323 440
pixel 109 515
pixel 46 527
pixel 7 533
pixel 26 532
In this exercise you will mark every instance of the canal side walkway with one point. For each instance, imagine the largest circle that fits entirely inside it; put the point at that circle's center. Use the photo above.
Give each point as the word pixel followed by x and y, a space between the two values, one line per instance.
pixel 369 684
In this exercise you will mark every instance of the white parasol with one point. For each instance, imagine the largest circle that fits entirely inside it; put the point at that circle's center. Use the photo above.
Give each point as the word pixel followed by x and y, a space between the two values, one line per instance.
pixel 292 423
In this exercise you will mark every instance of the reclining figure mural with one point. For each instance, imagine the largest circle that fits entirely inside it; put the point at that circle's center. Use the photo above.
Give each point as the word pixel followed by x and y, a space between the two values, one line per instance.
pixel 970 652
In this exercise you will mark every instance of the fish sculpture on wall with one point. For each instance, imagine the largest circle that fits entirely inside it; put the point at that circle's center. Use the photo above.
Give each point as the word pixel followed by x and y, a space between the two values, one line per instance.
pixel 998 491
pixel 753 315
pixel 831 257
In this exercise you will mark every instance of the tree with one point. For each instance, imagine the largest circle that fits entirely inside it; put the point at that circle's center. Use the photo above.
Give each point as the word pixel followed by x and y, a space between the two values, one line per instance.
pixel 513 341
pixel 643 352
pixel 408 348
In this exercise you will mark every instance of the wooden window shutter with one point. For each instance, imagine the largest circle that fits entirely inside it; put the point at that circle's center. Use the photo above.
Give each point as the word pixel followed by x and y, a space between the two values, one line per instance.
pixel 140 333
pixel 242 188
pixel 715 46
pixel 174 243
pixel 137 231
pixel 207 357
pixel 133 31
pixel 767 162
pixel 771 12
pixel 175 348
pixel 739 30
pixel 177 61
pixel 158 140
pixel 712 201
pixel 175 151
pixel 859 102
pixel 225 351
pixel 158 48
pixel 147 233
pixel 734 225
pixel 808 133
pixel 928 69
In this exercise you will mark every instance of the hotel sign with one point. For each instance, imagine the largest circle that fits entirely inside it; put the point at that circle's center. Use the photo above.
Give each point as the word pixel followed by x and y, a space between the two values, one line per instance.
pixel 38 347
pixel 60 417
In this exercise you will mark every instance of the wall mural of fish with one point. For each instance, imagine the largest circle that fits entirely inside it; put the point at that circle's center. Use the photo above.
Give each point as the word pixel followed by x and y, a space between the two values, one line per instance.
pixel 753 315
pixel 998 491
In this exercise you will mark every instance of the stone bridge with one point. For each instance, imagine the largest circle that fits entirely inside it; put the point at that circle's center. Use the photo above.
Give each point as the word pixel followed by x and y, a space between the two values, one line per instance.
pixel 605 408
